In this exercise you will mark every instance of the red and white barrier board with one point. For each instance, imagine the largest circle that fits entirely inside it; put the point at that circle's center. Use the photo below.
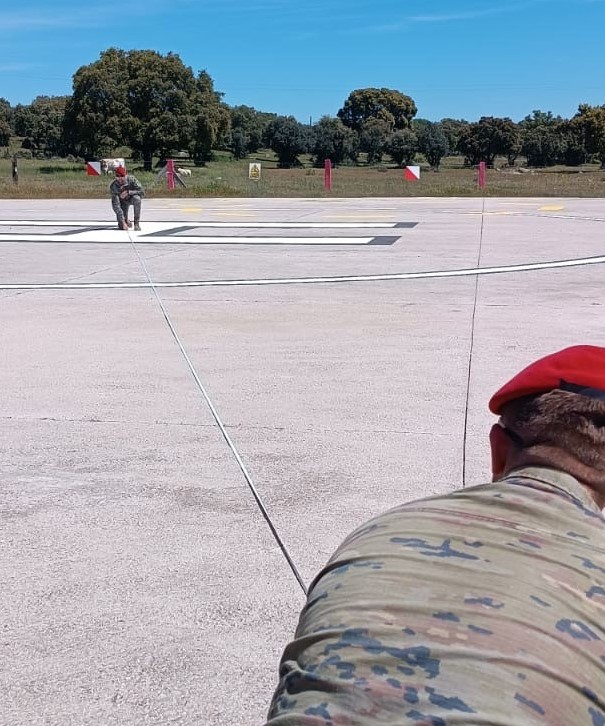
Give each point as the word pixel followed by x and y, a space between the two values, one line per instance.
pixel 93 168
pixel 411 173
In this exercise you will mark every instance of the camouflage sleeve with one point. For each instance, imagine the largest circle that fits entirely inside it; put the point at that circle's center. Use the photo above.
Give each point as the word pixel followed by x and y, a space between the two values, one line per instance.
pixel 135 186
pixel 481 608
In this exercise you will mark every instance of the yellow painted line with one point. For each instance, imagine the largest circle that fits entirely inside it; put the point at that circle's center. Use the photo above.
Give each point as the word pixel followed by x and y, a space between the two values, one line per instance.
pixel 551 208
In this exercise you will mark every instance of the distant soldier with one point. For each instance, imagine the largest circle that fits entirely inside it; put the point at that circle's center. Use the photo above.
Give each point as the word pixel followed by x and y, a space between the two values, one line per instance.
pixel 125 190
pixel 484 606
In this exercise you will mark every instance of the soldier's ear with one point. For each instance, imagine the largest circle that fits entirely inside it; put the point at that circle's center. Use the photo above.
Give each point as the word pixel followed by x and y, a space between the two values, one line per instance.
pixel 500 445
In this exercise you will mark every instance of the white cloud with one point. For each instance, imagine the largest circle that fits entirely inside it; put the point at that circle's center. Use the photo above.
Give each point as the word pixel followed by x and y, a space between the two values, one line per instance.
pixel 447 17
pixel 406 22
pixel 37 19
pixel 16 67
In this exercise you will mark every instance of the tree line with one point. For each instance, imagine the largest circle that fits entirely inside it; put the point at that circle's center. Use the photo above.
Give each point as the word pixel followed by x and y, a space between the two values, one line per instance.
pixel 157 106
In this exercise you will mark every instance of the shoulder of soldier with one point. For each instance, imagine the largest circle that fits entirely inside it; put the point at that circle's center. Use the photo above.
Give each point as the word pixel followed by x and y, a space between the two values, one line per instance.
pixel 477 497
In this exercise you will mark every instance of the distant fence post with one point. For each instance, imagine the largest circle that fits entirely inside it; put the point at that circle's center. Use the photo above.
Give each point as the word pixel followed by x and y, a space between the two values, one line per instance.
pixel 15 170
pixel 328 175
pixel 170 173
pixel 481 174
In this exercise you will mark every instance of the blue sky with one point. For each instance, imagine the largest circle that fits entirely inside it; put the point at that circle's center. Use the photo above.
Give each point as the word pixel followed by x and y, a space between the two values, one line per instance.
pixel 456 58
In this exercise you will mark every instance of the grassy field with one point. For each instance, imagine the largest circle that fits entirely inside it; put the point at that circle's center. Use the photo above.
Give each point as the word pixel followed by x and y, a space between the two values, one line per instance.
pixel 224 177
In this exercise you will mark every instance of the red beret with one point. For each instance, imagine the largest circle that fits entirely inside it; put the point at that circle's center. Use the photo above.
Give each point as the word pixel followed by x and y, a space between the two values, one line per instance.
pixel 120 171
pixel 580 369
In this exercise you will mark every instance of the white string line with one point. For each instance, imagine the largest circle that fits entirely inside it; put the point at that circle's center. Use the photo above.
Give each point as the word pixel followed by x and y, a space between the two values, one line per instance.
pixel 431 274
pixel 219 422
pixel 471 348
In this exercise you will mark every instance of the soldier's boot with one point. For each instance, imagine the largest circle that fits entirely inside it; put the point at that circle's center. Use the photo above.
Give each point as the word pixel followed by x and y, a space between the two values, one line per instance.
pixel 137 226
pixel 123 225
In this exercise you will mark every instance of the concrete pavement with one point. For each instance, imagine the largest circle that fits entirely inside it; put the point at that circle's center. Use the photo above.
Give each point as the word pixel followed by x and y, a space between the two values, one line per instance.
pixel 140 583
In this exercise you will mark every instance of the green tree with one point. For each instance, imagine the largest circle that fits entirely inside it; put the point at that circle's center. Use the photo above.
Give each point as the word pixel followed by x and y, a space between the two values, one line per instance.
pixel 589 125
pixel 211 118
pixel 373 138
pixel 402 145
pixel 433 143
pixel 419 124
pixel 392 107
pixel 542 148
pixel 239 143
pixel 158 93
pixel 488 138
pixel 543 141
pixel 252 123
pixel 513 151
pixel 335 141
pixel 453 129
pixel 288 138
pixel 98 115
pixel 5 132
pixel 573 143
pixel 6 122
pixel 41 124
pixel 151 102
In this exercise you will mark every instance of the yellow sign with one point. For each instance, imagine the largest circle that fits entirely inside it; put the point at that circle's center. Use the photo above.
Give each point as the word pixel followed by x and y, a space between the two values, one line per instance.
pixel 254 172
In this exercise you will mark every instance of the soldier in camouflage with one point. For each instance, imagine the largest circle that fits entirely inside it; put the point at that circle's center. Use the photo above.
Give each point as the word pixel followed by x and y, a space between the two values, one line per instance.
pixel 481 607
pixel 125 190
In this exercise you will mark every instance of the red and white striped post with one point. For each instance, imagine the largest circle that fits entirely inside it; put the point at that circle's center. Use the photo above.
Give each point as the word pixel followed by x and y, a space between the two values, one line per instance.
pixel 328 175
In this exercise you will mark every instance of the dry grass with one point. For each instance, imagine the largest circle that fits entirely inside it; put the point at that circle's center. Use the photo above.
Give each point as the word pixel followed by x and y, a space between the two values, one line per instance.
pixel 58 179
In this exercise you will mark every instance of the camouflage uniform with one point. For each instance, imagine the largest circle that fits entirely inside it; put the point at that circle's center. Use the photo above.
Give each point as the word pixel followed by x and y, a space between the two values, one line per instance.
pixel 481 607
pixel 120 206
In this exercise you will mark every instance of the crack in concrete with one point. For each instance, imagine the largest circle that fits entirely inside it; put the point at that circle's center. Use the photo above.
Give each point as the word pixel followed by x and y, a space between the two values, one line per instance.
pixel 238 426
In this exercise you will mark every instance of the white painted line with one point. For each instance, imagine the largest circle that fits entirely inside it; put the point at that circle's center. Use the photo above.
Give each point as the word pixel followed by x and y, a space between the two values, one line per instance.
pixel 50 223
pixel 118 237
pixel 158 226
pixel 437 274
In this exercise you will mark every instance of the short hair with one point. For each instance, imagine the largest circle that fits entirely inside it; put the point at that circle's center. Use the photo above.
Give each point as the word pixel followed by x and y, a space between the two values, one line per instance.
pixel 559 420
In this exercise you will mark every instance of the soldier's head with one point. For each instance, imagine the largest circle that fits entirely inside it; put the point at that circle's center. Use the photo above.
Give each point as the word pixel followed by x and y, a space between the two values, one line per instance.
pixel 120 174
pixel 552 414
